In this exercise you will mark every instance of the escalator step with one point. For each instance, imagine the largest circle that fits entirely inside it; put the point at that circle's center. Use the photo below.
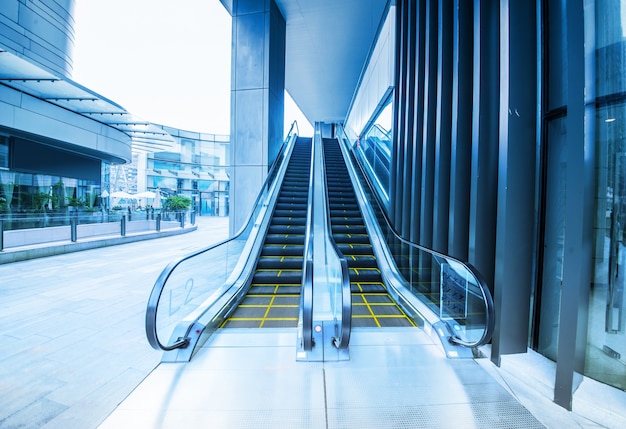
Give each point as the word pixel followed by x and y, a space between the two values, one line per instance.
pixel 346 220
pixel 362 274
pixel 264 289
pixel 362 261
pixel 288 213
pixel 355 249
pixel 284 239
pixel 367 287
pixel 345 210
pixel 281 250
pixel 287 229
pixel 352 229
pixel 274 276
pixel 281 263
pixel 351 238
pixel 289 221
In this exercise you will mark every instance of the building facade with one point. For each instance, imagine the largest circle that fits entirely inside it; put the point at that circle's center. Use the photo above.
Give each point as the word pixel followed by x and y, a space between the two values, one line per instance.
pixel 56 137
pixel 199 169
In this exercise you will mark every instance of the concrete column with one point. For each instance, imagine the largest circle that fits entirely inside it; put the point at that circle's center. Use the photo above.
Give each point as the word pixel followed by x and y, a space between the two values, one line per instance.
pixel 257 100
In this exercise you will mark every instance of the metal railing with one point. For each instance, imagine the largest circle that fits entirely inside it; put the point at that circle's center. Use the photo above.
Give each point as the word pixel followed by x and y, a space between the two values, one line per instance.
pixel 35 229
pixel 191 292
pixel 438 287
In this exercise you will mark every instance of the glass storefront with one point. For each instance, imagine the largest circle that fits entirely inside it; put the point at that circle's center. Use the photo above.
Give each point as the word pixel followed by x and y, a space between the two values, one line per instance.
pixel 605 99
pixel 605 358
pixel 43 199
pixel 4 152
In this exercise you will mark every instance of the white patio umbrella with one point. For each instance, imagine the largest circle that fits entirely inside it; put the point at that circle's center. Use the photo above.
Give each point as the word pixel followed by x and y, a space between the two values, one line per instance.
pixel 145 194
pixel 157 199
pixel 122 194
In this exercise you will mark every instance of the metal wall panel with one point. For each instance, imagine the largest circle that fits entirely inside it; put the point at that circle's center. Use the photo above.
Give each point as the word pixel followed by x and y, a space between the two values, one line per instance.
pixel 427 148
pixel 483 191
pixel 443 136
pixel 42 31
pixel 517 150
pixel 578 210
pixel 461 137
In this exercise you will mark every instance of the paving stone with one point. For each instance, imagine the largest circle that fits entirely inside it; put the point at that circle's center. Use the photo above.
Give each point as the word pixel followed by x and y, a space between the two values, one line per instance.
pixel 72 336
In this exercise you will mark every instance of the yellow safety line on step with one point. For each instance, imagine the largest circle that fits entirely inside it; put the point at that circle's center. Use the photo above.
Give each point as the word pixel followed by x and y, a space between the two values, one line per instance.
pixel 269 306
pixel 367 304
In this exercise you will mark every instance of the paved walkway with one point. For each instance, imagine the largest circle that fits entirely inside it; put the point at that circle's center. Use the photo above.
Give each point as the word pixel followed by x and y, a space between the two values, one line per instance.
pixel 72 337
pixel 73 346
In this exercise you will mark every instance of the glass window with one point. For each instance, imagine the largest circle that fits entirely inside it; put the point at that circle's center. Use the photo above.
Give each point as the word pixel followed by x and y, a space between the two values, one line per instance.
pixel 554 238
pixel 605 358
pixel 606 345
pixel 556 58
pixel 374 150
pixel 4 152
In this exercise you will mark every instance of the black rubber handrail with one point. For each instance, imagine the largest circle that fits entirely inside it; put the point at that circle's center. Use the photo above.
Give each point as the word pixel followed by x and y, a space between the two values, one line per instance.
pixel 482 284
pixel 157 289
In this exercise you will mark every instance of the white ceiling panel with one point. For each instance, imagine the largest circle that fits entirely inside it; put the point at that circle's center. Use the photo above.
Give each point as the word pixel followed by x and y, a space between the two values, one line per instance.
pixel 328 42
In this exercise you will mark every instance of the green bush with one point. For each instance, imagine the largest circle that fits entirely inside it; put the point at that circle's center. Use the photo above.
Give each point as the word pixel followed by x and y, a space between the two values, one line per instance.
pixel 177 202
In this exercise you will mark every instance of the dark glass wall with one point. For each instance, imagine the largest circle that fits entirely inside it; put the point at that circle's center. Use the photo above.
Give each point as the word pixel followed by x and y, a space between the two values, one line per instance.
pixel 509 151
pixel 463 167
pixel 605 62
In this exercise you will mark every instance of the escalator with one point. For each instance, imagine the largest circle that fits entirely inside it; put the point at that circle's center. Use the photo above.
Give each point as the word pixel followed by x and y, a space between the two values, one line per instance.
pixel 372 306
pixel 274 295
pixel 255 279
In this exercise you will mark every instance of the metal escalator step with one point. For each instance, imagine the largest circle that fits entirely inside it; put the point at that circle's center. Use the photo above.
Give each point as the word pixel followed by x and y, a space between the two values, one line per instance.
pixel 263 289
pixel 284 239
pixel 287 229
pixel 277 276
pixel 282 250
pixel 345 200
pixel 288 213
pixel 270 299
pixel 289 221
pixel 346 220
pixel 292 199
pixel 362 274
pixel 356 249
pixel 345 212
pixel 377 310
pixel 280 262
pixel 351 229
pixel 367 287
pixel 342 196
pixel 351 238
pixel 362 261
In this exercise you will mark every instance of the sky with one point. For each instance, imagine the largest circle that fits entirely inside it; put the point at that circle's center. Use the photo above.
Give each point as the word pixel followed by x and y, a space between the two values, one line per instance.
pixel 165 61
